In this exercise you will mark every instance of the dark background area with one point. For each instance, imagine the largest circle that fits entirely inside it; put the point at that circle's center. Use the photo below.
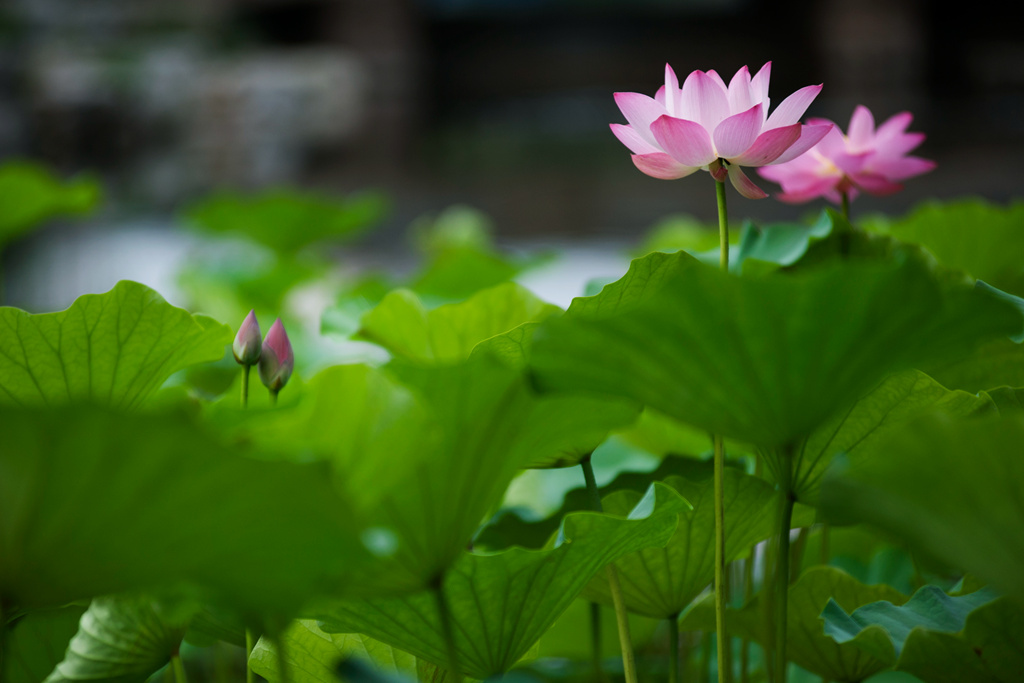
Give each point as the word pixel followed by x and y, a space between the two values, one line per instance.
pixel 501 104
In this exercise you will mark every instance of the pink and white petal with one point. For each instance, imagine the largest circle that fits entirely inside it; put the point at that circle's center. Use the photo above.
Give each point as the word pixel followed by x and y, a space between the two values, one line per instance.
pixel 703 100
pixel 793 107
pixel 718 79
pixel 833 143
pixel 848 163
pixel 876 184
pixel 805 193
pixel 659 97
pixel 661 166
pixel 862 128
pixel 737 133
pixel 759 86
pixel 894 126
pixel 640 111
pixel 897 145
pixel 769 146
pixel 740 98
pixel 744 185
pixel 809 137
pixel 671 91
pixel 636 143
pixel 799 171
pixel 687 142
pixel 903 168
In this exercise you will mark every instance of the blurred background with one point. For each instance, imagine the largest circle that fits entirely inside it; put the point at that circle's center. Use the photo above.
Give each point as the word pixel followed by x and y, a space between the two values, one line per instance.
pixel 503 105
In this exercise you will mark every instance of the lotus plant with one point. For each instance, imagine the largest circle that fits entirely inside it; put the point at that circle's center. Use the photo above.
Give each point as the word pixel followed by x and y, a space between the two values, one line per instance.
pixel 865 159
pixel 277 360
pixel 247 348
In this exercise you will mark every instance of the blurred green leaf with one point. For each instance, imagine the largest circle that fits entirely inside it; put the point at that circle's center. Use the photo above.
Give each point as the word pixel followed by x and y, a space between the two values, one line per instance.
pixel 783 244
pixel 30 195
pixel 34 643
pixel 115 348
pixel 954 491
pixel 680 232
pixel 764 360
pixel 121 640
pixel 806 643
pixel 93 503
pixel 402 324
pixel 992 364
pixel 661 582
pixel 288 220
pixel 501 604
pixel 1009 401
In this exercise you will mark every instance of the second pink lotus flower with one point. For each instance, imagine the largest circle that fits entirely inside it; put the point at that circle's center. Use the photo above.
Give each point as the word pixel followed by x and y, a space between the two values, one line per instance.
pixel 708 125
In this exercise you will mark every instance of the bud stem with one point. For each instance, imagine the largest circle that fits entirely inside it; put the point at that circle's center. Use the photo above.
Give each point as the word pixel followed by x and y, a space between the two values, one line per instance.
pixel 273 396
pixel 245 385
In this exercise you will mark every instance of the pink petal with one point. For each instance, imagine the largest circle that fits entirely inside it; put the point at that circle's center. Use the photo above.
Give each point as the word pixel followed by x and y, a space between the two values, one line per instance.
pixel 718 171
pixel 903 168
pixel 809 137
pixel 662 166
pixel 703 100
pixel 799 195
pixel 718 79
pixel 659 97
pixel 671 91
pixel 793 107
pixel 862 128
pixel 740 98
pixel 769 146
pixel 737 133
pixel 633 140
pixel 759 85
pixel 687 141
pixel 876 184
pixel 894 125
pixel 744 185
pixel 640 111
pixel 898 145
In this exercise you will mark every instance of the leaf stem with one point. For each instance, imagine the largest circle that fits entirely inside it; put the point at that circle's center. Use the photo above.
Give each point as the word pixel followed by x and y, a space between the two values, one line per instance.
pixel 447 629
pixel 250 643
pixel 245 385
pixel 282 658
pixel 748 593
pixel 845 204
pixel 621 617
pixel 595 640
pixel 786 500
pixel 673 649
pixel 178 668
pixel 724 668
pixel 826 553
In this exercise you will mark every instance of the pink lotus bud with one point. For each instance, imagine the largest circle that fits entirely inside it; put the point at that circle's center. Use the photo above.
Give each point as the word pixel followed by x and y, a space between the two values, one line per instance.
pixel 247 344
pixel 277 360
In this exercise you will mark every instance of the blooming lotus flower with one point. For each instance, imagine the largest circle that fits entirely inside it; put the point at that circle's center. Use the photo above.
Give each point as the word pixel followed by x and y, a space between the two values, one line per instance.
pixel 715 127
pixel 277 360
pixel 865 159
pixel 248 341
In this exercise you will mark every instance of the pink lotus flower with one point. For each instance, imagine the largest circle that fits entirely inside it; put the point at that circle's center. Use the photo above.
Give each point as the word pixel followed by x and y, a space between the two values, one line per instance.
pixel 277 360
pixel 869 160
pixel 248 342
pixel 715 127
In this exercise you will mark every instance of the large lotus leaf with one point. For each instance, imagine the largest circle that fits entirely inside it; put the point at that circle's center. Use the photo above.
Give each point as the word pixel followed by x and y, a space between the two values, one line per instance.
pixel 121 640
pixel 929 609
pixel 950 487
pixel 898 398
pixel 987 650
pixel 114 348
pixel 402 324
pixel 806 642
pixel 983 239
pixel 783 244
pixel 661 582
pixel 30 194
pixel 645 277
pixel 992 364
pixel 1008 400
pixel 501 604
pixel 286 220
pixel 769 359
pixel 312 656
pixel 93 503
pixel 34 642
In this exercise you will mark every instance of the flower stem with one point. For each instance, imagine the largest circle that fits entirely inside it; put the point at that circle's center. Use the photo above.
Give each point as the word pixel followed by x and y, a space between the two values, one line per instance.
pixel 273 396
pixel 786 500
pixel 245 385
pixel 723 227
pixel 447 630
pixel 595 640
pixel 250 642
pixel 621 618
pixel 720 596
pixel 845 205
pixel 178 668
pixel 673 649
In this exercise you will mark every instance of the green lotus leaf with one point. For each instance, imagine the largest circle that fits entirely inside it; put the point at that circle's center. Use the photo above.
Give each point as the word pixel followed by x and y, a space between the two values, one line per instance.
pixel 34 642
pixel 30 195
pixel 287 220
pixel 782 244
pixel 501 604
pixel 928 609
pixel 312 656
pixel 806 642
pixel 94 503
pixel 954 491
pixel 898 398
pixel 661 582
pixel 764 360
pixel 403 325
pixel 121 640
pixel 1008 400
pixel 994 363
pixel 114 349
pixel 981 238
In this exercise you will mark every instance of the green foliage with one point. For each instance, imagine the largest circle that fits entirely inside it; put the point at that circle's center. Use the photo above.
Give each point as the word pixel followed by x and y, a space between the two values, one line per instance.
pixel 114 349
pixel 34 643
pixel 31 195
pixel 501 604
pixel 285 220
pixel 953 491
